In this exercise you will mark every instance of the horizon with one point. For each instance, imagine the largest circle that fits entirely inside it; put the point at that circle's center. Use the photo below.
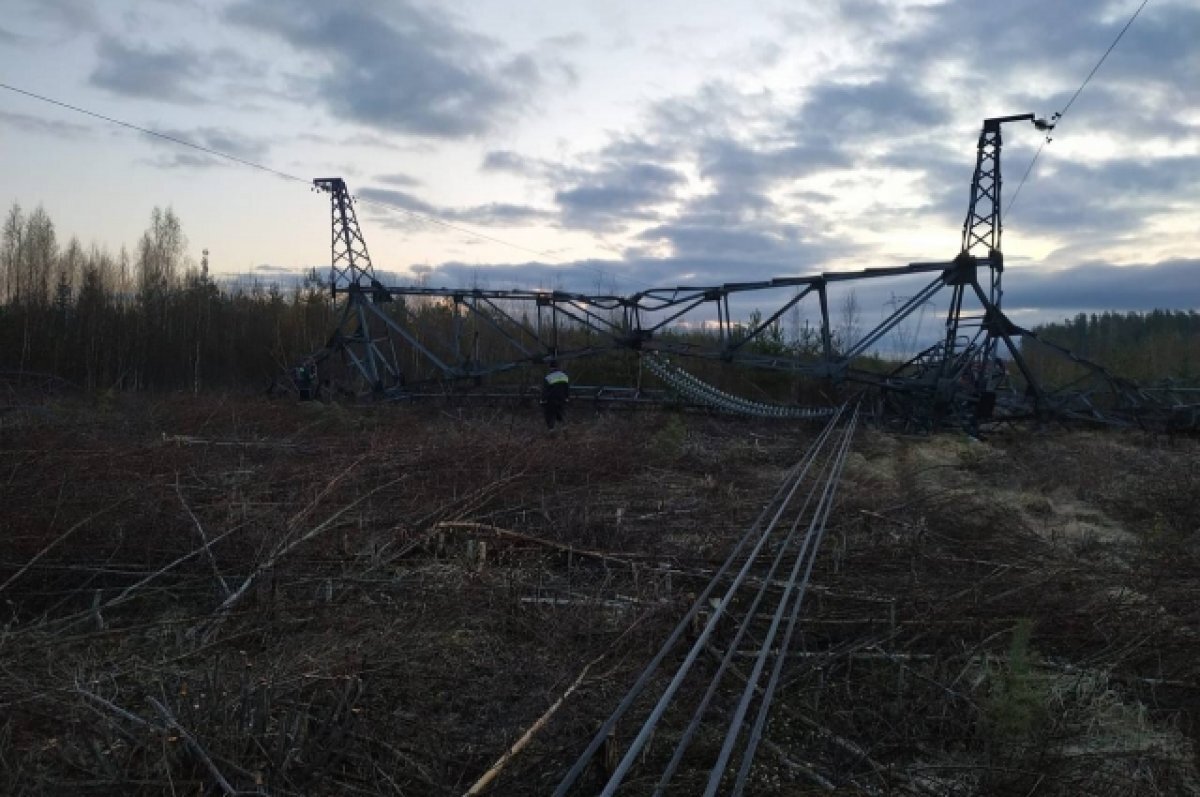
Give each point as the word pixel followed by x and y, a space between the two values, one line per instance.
pixel 799 141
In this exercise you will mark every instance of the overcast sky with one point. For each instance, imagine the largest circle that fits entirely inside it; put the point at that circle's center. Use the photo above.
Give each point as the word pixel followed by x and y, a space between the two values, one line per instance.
pixel 629 143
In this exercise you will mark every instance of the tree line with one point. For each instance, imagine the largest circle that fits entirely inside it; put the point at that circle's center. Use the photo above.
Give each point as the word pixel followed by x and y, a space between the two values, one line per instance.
pixel 1147 347
pixel 149 318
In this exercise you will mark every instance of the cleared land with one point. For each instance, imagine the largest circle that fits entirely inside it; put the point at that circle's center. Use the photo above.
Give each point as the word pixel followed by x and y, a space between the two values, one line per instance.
pixel 208 596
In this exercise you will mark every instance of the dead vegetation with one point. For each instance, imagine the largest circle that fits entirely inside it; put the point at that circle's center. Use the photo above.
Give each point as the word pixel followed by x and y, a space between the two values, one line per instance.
pixel 232 597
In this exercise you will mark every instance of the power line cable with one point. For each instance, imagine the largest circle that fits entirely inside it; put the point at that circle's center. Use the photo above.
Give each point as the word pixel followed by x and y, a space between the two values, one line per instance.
pixel 294 178
pixel 1096 68
pixel 1024 177
pixel 260 167
pixel 433 220
pixel 155 133
pixel 1058 116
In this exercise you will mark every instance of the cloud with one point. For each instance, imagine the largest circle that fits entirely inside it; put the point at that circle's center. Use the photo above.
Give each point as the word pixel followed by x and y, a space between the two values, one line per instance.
pixel 495 214
pixel 38 126
pixel 878 109
pixel 509 161
pixel 367 140
pixel 502 214
pixel 731 245
pixel 1170 285
pixel 167 75
pixel 215 138
pixel 73 16
pixel 1044 53
pixel 579 276
pixel 747 147
pixel 399 67
pixel 906 109
pixel 1088 207
pixel 732 217
pixel 617 194
pixel 402 180
pixel 738 180
pixel 1029 291
pixel 396 199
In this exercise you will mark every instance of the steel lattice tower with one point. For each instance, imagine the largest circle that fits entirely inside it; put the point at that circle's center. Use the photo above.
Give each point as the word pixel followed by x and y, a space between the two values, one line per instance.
pixel 983 226
pixel 350 264
pixel 969 352
pixel 369 352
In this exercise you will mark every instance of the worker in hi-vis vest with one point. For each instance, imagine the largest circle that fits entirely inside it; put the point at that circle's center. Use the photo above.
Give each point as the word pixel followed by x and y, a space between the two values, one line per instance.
pixel 556 388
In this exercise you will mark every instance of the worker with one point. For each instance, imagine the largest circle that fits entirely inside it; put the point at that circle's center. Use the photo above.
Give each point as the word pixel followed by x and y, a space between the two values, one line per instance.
pixel 305 378
pixel 556 389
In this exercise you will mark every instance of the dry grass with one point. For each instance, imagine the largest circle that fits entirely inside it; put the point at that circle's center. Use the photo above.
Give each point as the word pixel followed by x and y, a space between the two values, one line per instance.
pixel 389 597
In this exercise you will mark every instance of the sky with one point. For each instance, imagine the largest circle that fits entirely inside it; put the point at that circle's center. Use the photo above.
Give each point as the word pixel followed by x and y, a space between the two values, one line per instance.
pixel 612 145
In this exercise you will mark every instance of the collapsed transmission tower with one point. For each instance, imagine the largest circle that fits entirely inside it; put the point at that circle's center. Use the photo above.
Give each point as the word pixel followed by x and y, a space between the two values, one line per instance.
pixel 976 372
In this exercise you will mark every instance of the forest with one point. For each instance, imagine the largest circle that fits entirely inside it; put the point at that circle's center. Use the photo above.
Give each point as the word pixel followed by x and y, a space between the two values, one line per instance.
pixel 144 319
pixel 149 318
pixel 1148 347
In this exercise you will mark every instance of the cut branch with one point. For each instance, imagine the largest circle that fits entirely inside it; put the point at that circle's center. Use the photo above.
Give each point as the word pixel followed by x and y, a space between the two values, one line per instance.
pixel 212 560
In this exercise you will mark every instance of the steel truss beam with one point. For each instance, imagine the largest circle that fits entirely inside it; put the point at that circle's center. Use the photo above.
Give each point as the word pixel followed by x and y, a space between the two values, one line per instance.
pixel 961 380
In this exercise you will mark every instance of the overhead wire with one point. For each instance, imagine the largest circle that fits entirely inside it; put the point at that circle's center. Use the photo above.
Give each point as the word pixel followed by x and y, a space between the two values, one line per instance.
pixel 1096 68
pixel 295 178
pixel 154 133
pixel 1057 118
pixel 263 168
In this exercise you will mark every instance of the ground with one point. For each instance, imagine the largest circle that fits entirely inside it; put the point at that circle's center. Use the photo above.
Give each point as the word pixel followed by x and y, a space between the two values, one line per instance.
pixel 226 595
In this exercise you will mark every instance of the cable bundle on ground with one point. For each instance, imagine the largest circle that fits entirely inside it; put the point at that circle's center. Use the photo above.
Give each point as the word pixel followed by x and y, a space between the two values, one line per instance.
pixel 700 392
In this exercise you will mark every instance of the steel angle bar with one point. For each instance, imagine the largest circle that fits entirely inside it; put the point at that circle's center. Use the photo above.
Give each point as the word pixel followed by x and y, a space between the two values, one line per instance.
pixel 681 293
pixel 1095 368
pixel 807 554
pixel 594 322
pixel 903 312
pixel 494 324
pixel 589 307
pixel 887 271
pixel 412 341
pixel 685 667
pixel 687 309
pixel 507 316
pixel 367 365
pixel 764 706
pixel 379 358
pixel 765 583
pixel 559 309
pixel 738 287
pixel 346 310
pixel 752 334
pixel 362 369
pixel 1006 335
pixel 780 498
pixel 602 302
pixel 669 297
